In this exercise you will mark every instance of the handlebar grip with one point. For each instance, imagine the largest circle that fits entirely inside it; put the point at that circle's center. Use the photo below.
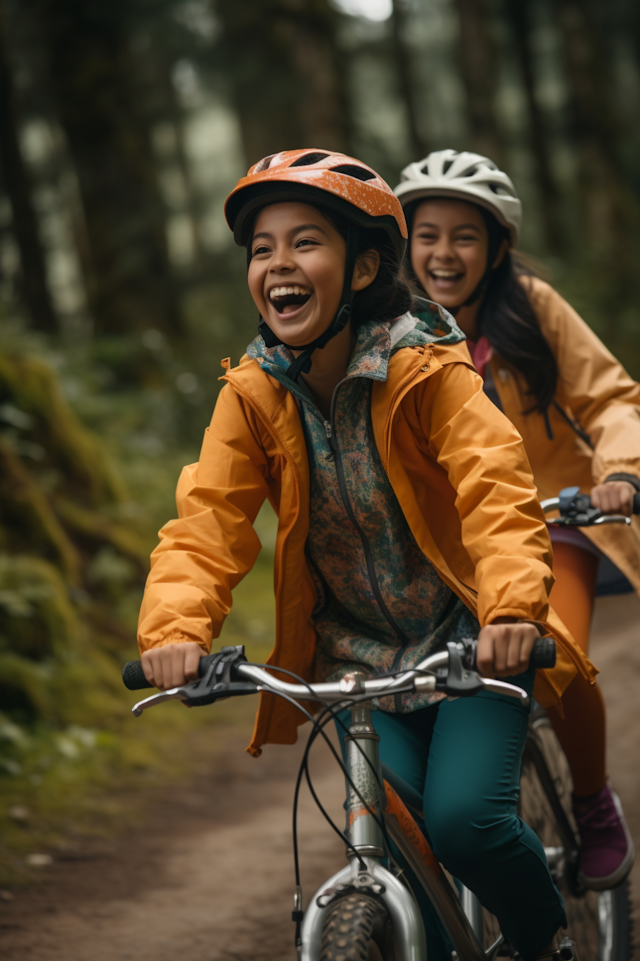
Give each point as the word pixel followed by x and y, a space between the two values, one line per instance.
pixel 134 679
pixel 133 676
pixel 543 654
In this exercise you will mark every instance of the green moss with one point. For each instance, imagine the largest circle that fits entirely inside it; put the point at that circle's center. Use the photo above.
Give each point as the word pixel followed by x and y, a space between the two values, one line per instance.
pixel 37 619
pixel 74 543
pixel 31 387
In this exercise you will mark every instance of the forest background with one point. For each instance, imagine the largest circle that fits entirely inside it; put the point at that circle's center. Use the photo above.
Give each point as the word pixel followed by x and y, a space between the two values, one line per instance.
pixel 123 125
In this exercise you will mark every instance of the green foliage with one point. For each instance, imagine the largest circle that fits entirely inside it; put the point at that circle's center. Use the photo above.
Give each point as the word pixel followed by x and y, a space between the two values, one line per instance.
pixel 77 522
pixel 130 122
pixel 68 567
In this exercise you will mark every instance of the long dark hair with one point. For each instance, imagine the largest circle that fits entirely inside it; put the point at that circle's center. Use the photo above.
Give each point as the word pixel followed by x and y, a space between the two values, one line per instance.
pixel 507 318
pixel 510 324
pixel 389 295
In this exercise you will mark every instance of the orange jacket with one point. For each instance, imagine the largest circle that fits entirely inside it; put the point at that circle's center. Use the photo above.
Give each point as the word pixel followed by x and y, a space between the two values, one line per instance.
pixel 457 467
pixel 597 393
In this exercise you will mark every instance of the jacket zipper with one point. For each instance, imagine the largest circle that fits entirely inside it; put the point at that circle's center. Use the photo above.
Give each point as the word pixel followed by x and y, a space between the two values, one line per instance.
pixel 288 457
pixel 329 428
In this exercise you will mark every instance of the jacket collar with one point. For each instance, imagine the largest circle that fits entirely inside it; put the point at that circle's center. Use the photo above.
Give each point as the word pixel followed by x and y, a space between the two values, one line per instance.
pixel 432 337
pixel 376 342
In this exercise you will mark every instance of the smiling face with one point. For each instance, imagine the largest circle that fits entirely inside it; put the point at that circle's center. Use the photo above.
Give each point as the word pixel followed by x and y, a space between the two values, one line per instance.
pixel 449 247
pixel 296 273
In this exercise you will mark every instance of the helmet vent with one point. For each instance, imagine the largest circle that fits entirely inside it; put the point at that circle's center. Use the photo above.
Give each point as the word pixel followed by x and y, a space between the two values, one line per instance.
pixel 445 167
pixel 308 158
pixel 263 164
pixel 352 171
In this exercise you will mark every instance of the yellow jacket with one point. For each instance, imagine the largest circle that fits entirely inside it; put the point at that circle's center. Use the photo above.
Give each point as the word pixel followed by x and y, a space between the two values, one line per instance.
pixel 595 391
pixel 457 467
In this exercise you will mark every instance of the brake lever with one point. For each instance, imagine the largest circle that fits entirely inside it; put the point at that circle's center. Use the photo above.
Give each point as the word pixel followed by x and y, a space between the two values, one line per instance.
pixel 215 684
pixel 503 687
pixel 613 519
pixel 175 693
pixel 196 694
pixel 576 510
pixel 462 681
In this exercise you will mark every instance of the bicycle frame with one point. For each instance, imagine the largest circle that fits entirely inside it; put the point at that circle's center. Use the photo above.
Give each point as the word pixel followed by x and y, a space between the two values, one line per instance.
pixel 369 799
pixel 368 840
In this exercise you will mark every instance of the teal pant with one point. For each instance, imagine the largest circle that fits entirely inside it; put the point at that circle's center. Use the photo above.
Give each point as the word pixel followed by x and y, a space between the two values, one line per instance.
pixel 463 757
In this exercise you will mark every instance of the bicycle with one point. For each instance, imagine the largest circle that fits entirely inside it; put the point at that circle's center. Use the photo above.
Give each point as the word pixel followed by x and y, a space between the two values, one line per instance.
pixel 367 911
pixel 599 921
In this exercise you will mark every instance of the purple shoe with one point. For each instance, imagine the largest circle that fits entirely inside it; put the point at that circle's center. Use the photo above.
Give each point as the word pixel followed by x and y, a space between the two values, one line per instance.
pixel 607 853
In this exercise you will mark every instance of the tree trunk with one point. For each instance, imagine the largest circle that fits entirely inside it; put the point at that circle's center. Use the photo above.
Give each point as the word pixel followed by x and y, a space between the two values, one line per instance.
pixel 281 60
pixel 407 81
pixel 605 195
pixel 33 284
pixel 478 61
pixel 163 106
pixel 92 77
pixel 518 14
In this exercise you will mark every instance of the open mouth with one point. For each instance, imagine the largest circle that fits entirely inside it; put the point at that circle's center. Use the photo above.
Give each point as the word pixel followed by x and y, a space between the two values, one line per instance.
pixel 287 300
pixel 445 278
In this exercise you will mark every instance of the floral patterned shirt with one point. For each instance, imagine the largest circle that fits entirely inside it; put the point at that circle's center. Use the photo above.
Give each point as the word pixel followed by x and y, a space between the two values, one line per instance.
pixel 382 606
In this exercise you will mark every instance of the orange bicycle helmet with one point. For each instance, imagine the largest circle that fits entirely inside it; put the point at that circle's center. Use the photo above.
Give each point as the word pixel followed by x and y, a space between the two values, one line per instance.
pixel 339 182
pixel 336 181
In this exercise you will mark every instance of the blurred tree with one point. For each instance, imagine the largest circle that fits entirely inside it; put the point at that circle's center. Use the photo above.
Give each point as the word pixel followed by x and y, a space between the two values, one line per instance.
pixel 66 560
pixel 163 110
pixel 518 15
pixel 285 73
pixel 479 62
pixel 407 81
pixel 33 284
pixel 610 211
pixel 92 76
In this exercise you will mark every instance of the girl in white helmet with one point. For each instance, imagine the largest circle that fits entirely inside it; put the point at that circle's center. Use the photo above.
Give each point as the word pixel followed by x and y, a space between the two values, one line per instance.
pixel 577 411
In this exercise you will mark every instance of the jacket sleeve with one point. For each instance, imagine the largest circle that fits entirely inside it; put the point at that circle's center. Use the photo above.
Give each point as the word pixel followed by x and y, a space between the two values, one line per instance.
pixel 593 387
pixel 502 525
pixel 212 545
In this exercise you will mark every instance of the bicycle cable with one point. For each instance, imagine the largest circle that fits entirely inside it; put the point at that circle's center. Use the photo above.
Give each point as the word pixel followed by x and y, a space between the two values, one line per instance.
pixel 318 729
pixel 297 913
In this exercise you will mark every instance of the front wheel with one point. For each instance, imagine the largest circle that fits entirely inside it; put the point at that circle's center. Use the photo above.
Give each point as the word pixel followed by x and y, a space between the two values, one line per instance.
pixel 357 928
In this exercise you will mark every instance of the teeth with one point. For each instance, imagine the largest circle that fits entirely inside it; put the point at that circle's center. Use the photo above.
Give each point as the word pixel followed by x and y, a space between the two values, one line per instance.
pixel 287 291
pixel 445 274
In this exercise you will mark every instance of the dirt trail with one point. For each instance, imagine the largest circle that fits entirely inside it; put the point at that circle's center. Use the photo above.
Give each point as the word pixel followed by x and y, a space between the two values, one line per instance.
pixel 208 875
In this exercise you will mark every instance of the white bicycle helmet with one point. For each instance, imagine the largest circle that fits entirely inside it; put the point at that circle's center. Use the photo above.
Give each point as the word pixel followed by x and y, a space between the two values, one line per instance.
pixel 464 176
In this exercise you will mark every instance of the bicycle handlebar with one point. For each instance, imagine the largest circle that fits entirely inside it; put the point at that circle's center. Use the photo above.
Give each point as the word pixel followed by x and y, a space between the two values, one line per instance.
pixel 227 674
pixel 543 656
pixel 576 510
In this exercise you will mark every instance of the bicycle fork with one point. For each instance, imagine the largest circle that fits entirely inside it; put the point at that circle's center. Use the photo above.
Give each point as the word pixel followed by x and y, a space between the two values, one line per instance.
pixel 366 806
pixel 367 837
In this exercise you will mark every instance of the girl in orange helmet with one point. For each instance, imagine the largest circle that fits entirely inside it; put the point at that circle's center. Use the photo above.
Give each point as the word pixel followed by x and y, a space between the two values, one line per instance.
pixel 577 411
pixel 407 517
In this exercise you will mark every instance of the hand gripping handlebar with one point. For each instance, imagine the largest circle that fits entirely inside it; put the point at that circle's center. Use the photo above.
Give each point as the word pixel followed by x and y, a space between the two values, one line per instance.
pixel 227 674
pixel 226 661
pixel 576 510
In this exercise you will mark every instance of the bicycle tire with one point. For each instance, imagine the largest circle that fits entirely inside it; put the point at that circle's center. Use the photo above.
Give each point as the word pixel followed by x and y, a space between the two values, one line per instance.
pixel 600 922
pixel 357 928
